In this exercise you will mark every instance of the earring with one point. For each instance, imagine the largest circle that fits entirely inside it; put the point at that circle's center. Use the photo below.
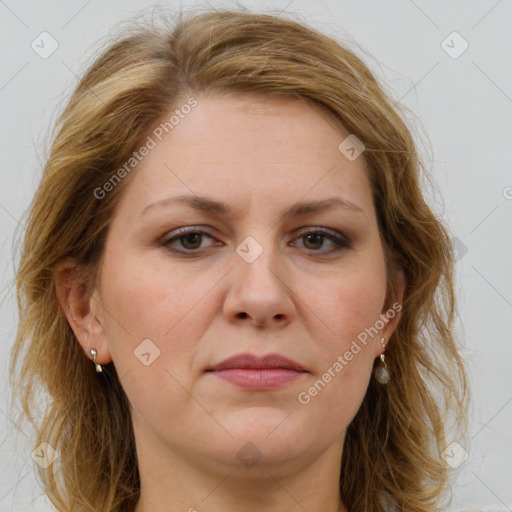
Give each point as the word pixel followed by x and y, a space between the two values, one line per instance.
pixel 94 354
pixel 381 372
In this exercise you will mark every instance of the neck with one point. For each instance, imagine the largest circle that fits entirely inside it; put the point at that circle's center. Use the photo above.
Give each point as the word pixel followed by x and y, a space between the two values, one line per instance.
pixel 172 483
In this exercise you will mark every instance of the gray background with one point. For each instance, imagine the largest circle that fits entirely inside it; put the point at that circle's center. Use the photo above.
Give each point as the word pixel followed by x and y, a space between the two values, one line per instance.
pixel 460 110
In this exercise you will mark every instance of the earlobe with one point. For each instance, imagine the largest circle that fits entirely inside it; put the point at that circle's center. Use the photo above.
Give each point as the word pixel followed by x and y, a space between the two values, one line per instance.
pixel 81 309
pixel 391 312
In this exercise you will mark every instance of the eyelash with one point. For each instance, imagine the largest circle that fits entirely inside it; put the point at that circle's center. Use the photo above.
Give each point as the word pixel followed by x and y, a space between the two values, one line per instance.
pixel 341 242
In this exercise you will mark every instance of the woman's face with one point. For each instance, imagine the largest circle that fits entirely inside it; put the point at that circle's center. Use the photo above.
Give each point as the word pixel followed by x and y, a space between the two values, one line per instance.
pixel 255 272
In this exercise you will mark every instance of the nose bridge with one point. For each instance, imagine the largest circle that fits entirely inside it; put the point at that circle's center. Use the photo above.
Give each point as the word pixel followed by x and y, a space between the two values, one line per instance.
pixel 258 289
pixel 259 260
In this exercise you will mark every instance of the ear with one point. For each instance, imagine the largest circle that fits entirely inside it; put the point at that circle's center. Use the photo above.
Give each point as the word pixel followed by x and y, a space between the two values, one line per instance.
pixel 391 311
pixel 82 309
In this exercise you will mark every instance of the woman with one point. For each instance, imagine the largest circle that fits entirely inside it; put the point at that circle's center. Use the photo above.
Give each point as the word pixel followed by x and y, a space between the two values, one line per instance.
pixel 231 285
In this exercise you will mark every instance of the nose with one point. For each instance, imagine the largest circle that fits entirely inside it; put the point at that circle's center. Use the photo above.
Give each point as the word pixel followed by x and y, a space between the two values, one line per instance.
pixel 259 294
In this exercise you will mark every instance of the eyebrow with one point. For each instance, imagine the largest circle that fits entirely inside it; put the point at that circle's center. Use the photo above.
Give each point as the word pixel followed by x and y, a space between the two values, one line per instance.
pixel 207 204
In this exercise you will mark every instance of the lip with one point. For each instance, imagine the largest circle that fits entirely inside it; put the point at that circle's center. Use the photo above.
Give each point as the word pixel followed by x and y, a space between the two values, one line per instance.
pixel 250 361
pixel 258 373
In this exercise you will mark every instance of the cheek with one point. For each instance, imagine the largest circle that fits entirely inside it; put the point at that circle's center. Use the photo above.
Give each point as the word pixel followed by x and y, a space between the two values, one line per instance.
pixel 154 302
pixel 171 309
pixel 359 306
pixel 348 303
pixel 334 395
pixel 346 359
pixel 153 341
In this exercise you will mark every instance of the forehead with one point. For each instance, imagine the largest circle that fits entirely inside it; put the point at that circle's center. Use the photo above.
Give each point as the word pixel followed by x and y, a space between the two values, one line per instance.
pixel 283 122
pixel 251 148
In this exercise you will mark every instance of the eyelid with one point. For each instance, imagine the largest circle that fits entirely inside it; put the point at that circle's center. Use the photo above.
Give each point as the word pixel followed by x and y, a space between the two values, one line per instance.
pixel 324 231
pixel 336 237
pixel 184 231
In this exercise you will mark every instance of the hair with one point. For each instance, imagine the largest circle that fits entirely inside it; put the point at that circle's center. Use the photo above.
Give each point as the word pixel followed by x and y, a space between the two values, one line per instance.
pixel 392 457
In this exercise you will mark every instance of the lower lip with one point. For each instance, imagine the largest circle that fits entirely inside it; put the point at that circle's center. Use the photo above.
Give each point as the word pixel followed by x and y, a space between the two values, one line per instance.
pixel 259 379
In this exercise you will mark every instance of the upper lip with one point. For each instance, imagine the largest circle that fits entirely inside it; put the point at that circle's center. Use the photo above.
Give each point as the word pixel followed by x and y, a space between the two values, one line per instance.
pixel 250 361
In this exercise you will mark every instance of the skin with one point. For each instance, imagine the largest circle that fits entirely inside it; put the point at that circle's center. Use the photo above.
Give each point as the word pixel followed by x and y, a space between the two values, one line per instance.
pixel 301 298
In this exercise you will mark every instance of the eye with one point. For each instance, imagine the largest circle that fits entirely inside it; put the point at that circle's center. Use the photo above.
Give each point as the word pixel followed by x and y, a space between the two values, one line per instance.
pixel 188 241
pixel 314 239
pixel 188 238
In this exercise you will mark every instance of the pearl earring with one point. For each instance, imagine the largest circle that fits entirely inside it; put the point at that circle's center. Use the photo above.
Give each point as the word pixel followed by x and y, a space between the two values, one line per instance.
pixel 381 372
pixel 94 354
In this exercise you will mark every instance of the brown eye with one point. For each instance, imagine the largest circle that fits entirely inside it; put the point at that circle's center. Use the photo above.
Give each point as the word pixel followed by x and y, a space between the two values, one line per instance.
pixel 191 240
pixel 186 241
pixel 315 240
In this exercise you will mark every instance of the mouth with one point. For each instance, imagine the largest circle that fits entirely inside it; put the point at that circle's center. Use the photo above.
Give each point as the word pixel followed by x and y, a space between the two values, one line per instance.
pixel 258 373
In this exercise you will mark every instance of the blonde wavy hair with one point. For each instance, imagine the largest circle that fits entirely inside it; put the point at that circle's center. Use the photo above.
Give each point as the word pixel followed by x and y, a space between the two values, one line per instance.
pixel 392 457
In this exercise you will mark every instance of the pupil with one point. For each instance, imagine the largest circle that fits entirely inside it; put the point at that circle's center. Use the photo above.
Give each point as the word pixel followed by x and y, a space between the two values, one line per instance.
pixel 314 236
pixel 188 238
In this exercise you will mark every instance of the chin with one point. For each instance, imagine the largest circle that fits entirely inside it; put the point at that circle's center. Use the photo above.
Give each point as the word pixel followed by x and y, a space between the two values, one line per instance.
pixel 272 436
